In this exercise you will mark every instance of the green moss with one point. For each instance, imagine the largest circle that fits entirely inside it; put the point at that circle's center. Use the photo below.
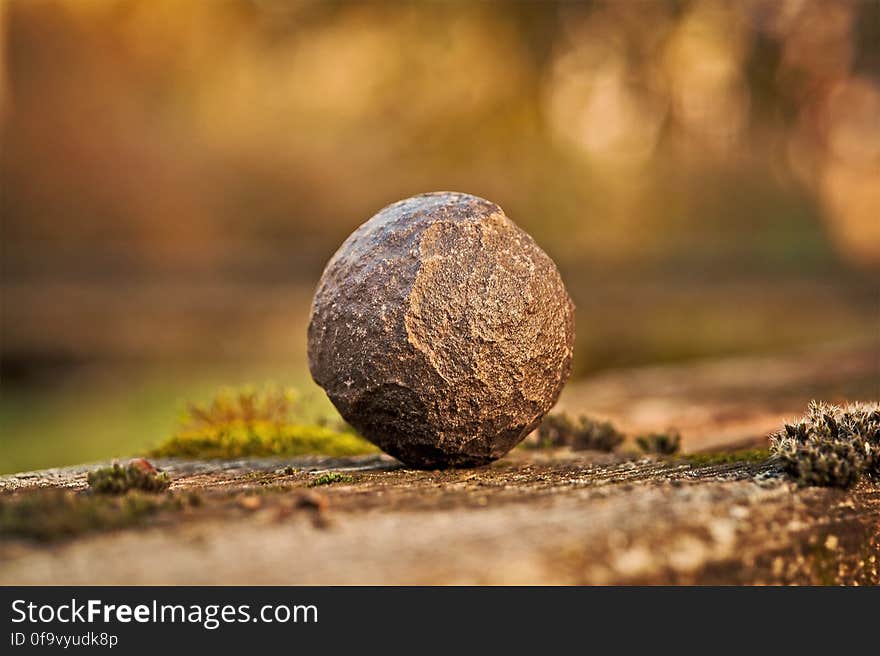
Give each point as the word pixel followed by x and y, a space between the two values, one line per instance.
pixel 246 423
pixel 582 434
pixel 831 445
pixel 330 478
pixel 665 444
pixel 48 515
pixel 255 440
pixel 728 457
pixel 119 480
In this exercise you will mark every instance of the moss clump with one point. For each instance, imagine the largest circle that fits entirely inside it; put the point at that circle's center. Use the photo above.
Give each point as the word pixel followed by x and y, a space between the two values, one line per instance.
pixel 728 457
pixel 583 434
pixel 47 515
pixel 247 423
pixel 138 475
pixel 665 444
pixel 831 445
pixel 330 478
pixel 238 441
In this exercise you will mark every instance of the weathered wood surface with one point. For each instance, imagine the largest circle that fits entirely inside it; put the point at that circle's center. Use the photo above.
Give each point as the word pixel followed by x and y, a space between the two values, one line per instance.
pixel 534 517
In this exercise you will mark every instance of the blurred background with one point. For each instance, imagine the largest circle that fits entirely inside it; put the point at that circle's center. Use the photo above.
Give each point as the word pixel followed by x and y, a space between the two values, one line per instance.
pixel 174 175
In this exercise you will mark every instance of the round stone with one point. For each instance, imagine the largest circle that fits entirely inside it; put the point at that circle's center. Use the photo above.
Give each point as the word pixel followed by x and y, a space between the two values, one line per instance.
pixel 441 331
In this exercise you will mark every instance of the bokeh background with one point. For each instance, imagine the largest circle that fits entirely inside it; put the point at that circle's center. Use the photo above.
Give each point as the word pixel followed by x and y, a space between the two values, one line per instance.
pixel 175 174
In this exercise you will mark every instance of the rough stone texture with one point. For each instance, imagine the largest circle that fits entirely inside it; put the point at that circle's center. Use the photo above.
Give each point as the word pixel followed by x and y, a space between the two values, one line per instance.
pixel 537 517
pixel 441 331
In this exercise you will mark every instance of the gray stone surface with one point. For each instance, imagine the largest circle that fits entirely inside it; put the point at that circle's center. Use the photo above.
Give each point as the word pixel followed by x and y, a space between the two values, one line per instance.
pixel 535 517
pixel 441 331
